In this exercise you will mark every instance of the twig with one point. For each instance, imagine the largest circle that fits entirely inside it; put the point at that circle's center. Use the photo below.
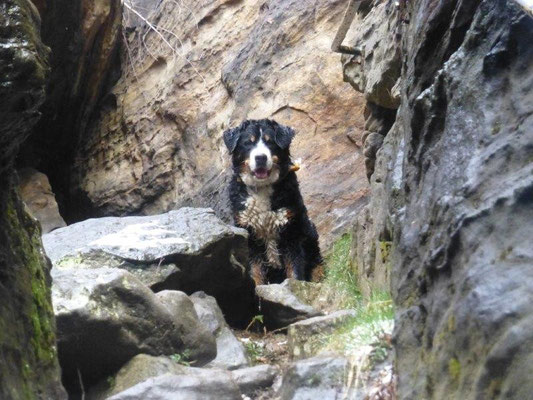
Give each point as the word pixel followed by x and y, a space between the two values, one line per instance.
pixel 349 15
pixel 81 384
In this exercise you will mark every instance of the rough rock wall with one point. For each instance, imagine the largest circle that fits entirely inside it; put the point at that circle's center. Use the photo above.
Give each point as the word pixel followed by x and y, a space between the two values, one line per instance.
pixel 83 37
pixel 28 356
pixel 452 199
pixel 156 144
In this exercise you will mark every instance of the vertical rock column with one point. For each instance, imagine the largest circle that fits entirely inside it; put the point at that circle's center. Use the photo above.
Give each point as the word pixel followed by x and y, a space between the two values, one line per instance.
pixel 28 357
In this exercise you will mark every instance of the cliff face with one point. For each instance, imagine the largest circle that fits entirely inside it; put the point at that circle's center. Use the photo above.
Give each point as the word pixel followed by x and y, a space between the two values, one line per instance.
pixel 29 367
pixel 452 200
pixel 83 37
pixel 201 68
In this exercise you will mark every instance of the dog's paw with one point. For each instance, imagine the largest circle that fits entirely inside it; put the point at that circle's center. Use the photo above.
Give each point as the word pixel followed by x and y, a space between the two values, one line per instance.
pixel 282 217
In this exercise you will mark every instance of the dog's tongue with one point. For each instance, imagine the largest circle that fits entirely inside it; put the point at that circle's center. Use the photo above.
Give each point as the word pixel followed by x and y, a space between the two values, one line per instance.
pixel 261 173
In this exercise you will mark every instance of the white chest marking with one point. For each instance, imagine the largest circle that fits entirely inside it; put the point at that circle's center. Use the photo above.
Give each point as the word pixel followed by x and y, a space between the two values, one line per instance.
pixel 264 222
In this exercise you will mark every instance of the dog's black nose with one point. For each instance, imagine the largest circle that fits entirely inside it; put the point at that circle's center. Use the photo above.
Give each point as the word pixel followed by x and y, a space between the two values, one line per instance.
pixel 261 160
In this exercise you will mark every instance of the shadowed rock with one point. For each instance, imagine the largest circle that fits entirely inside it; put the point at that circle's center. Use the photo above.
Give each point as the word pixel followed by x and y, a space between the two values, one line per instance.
pixel 231 354
pixel 106 316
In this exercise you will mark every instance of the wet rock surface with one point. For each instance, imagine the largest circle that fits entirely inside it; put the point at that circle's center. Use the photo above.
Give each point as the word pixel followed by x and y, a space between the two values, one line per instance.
pixel 187 250
pixel 451 193
pixel 28 355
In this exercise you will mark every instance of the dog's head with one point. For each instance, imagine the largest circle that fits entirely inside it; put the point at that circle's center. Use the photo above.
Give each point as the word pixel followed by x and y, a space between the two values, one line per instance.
pixel 260 150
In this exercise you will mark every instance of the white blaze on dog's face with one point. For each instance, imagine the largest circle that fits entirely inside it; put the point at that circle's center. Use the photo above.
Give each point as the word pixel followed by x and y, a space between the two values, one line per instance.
pixel 260 158
pixel 260 151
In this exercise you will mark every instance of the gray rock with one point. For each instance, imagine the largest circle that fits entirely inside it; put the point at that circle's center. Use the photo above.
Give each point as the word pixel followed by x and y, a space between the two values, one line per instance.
pixel 317 378
pixel 148 239
pixel 188 250
pixel 208 311
pixel 280 307
pixel 377 70
pixel 106 316
pixel 254 379
pixel 209 385
pixel 304 336
pixel 451 202
pixel 231 354
pixel 194 334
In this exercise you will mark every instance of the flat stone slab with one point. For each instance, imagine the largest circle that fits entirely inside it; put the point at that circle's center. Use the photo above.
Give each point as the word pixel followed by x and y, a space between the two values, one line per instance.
pixel 146 238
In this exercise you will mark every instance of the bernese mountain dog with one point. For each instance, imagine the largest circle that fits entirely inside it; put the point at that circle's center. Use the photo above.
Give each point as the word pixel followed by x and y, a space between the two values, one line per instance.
pixel 265 199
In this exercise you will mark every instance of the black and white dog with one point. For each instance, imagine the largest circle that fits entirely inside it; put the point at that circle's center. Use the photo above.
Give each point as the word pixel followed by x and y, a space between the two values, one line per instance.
pixel 266 200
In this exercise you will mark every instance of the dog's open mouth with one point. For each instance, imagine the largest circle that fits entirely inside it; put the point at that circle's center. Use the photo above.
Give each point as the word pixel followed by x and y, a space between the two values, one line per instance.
pixel 261 173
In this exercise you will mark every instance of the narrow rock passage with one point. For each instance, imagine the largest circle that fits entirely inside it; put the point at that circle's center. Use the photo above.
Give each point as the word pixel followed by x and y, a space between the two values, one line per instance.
pixel 143 312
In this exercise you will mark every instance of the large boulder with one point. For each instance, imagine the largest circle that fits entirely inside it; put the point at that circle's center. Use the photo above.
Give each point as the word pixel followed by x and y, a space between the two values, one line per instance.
pixel 452 200
pixel 106 316
pixel 231 353
pixel 188 250
pixel 280 307
pixel 156 142
pixel 28 354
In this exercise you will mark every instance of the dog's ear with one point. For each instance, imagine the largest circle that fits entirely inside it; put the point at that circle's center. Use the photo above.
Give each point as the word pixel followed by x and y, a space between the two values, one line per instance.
pixel 231 137
pixel 283 136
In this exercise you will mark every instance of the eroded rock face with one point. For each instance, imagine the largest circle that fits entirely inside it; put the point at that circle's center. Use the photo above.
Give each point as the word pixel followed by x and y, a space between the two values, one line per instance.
pixel 37 194
pixel 157 143
pixel 83 36
pixel 451 193
pixel 188 250
pixel 28 355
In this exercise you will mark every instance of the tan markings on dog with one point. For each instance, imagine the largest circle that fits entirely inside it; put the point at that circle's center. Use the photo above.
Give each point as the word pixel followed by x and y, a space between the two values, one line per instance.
pixel 253 138
pixel 289 269
pixel 267 138
pixel 275 159
pixel 318 273
pixel 257 273
pixel 294 168
pixel 264 222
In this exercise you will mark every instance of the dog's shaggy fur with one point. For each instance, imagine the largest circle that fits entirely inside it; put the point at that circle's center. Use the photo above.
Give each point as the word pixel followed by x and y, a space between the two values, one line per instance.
pixel 266 200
